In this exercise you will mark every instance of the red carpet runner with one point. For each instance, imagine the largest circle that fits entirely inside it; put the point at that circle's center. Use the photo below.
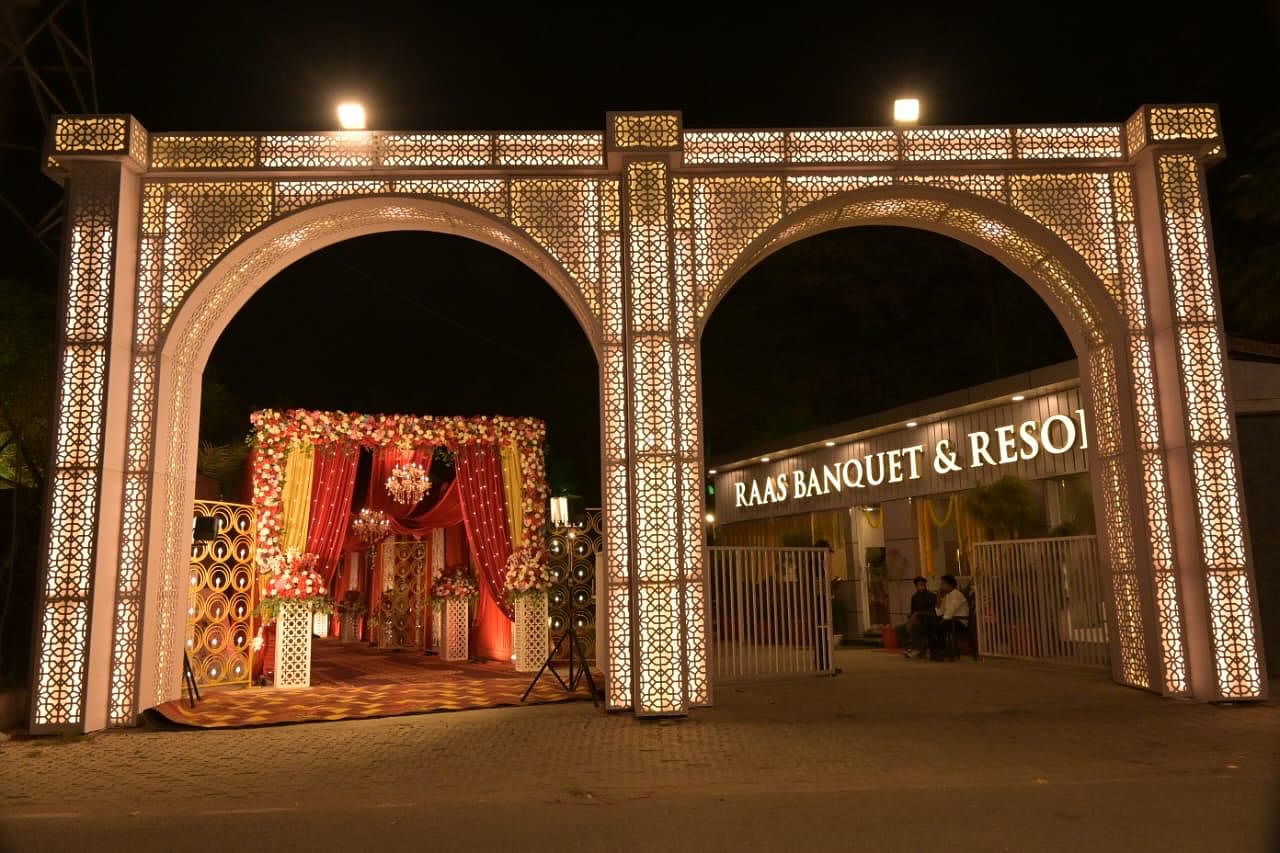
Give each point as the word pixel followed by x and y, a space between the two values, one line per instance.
pixel 351 682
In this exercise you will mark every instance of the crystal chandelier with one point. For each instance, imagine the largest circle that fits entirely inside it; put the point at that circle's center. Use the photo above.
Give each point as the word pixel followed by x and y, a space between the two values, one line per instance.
pixel 371 525
pixel 408 483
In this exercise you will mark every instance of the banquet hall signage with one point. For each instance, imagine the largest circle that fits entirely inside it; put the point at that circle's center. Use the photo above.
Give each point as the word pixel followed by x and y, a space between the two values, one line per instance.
pixel 1038 437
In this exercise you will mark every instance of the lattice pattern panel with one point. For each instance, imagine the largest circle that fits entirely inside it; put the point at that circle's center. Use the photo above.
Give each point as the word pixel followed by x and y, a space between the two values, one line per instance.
pixel 1118 517
pixel 91 135
pixel 654 210
pixel 1208 418
pixel 293 645
pixel 456 629
pixel 650 131
pixel 62 649
pixel 220 597
pixel 1172 124
pixel 529 632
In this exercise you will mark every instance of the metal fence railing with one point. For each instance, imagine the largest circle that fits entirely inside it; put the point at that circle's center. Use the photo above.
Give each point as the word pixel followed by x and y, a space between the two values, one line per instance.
pixel 1042 599
pixel 770 611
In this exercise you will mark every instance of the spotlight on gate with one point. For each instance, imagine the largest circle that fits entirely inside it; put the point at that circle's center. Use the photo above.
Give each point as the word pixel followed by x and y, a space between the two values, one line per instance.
pixel 351 116
pixel 906 110
pixel 711 518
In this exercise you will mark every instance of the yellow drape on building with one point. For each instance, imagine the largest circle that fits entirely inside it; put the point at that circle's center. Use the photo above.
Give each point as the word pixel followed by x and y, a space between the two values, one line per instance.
pixel 924 533
pixel 513 485
pixel 968 531
pixel 295 499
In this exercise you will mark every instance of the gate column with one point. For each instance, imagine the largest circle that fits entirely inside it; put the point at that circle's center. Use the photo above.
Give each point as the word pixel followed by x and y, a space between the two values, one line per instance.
pixel 666 585
pixel 98 159
pixel 1170 146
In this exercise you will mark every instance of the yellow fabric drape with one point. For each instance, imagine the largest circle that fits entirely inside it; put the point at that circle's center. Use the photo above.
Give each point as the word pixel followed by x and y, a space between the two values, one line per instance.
pixel 295 500
pixel 924 531
pixel 968 531
pixel 513 485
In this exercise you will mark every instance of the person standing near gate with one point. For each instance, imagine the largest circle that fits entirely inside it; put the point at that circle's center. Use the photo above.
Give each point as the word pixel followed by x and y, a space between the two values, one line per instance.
pixel 914 633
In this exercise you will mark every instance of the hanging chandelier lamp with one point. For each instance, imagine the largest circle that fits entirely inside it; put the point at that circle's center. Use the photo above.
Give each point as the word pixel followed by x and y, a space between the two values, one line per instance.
pixel 371 525
pixel 408 483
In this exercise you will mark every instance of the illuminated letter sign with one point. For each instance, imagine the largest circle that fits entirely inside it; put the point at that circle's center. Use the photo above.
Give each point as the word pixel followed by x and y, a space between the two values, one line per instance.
pixel 1004 445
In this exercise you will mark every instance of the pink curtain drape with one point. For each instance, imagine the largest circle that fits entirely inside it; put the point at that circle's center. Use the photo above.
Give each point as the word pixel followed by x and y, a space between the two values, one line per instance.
pixel 332 484
pixel 484 513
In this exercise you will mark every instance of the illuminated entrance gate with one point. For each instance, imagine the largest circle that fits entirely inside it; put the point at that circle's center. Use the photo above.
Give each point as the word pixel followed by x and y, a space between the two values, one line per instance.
pixel 641 229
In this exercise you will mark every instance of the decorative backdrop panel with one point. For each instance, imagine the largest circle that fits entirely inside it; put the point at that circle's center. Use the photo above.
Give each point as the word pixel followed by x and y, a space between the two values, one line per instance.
pixel 220 596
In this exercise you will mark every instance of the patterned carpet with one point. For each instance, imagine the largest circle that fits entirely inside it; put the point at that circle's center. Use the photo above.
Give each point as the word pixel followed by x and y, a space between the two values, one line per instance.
pixel 353 681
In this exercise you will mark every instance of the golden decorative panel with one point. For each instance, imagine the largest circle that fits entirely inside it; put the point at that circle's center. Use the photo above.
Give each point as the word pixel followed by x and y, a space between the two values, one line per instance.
pixel 646 130
pixel 221 596
pixel 90 134
pixel 223 151
pixel 1170 124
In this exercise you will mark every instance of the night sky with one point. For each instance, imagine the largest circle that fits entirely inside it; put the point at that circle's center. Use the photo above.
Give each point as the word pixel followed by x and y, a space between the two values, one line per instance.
pixel 839 325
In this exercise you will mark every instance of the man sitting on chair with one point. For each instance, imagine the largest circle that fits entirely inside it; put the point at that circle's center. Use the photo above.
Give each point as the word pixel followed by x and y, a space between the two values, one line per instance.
pixel 953 611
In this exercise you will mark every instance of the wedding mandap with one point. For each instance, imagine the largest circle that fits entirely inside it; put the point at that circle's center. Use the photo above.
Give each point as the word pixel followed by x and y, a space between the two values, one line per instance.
pixel 369 534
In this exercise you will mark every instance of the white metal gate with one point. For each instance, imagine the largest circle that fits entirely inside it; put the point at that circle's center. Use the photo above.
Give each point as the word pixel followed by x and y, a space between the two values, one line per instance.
pixel 770 611
pixel 1042 599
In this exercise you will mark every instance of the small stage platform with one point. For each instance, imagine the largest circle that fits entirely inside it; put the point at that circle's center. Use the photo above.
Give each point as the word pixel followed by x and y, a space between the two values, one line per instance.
pixel 351 681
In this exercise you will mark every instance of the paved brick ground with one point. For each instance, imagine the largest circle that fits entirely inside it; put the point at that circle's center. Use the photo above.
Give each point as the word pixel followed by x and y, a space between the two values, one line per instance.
pixel 1034 758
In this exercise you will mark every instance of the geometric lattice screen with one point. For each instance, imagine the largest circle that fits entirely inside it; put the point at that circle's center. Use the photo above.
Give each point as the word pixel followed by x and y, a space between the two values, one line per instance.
pixel 220 596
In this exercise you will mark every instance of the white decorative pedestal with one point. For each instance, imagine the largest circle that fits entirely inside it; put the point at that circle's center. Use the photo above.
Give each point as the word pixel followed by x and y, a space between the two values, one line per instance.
pixel 293 645
pixel 529 632
pixel 456 627
pixel 348 623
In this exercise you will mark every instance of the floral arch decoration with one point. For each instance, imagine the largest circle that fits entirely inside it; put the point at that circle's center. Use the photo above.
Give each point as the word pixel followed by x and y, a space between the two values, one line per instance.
pixel 276 432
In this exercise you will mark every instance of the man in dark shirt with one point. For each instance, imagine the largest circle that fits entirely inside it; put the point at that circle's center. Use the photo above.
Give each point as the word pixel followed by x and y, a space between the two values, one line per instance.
pixel 914 635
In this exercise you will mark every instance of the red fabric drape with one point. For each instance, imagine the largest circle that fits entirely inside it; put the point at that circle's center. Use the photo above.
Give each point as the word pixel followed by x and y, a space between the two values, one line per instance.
pixel 445 512
pixel 455 543
pixel 332 483
pixel 491 633
pixel 484 512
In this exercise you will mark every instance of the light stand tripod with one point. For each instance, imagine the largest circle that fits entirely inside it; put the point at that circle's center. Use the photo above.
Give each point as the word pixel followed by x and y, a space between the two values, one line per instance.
pixel 574 675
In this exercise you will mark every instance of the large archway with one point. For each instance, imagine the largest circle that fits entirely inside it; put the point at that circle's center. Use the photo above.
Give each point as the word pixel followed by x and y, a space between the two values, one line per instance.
pixel 199 322
pixel 1088 316
pixel 641 229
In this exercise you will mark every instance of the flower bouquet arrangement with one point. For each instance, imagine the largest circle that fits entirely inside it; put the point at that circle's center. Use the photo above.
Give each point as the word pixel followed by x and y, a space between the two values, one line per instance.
pixel 455 583
pixel 527 573
pixel 292 577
